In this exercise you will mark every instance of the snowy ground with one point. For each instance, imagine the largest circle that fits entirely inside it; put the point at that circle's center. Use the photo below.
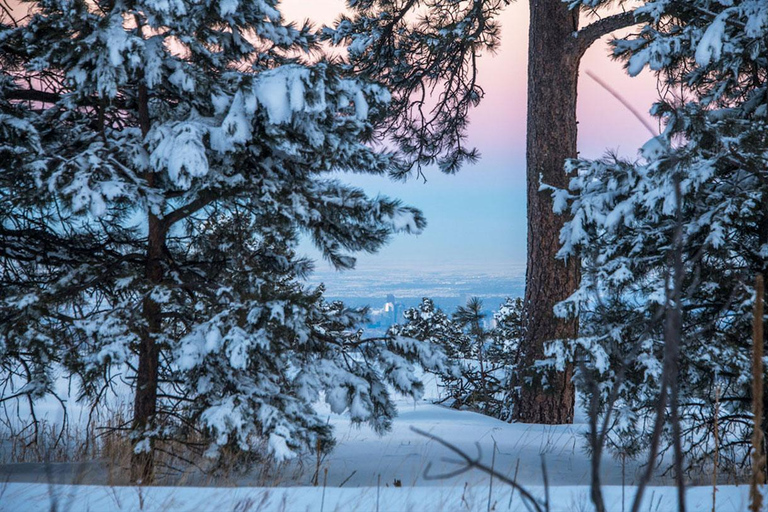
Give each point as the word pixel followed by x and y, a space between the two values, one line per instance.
pixel 404 454
pixel 362 459
pixel 38 497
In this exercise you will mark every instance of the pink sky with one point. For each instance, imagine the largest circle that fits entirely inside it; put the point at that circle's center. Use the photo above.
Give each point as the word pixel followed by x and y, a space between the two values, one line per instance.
pixel 477 218
pixel 498 125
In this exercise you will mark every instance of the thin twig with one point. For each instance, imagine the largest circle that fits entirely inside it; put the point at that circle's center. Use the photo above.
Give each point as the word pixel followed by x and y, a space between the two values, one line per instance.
pixel 514 478
pixel 613 92
pixel 347 479
pixel 470 463
pixel 758 460
pixel 493 464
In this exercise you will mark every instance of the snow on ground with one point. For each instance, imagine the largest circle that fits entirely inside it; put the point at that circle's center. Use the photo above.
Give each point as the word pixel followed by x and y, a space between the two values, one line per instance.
pixel 361 458
pixel 18 497
pixel 403 454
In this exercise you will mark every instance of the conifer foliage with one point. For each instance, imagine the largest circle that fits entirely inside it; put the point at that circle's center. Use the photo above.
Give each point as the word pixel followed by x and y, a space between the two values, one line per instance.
pixel 158 162
pixel 427 54
pixel 704 180
pixel 484 358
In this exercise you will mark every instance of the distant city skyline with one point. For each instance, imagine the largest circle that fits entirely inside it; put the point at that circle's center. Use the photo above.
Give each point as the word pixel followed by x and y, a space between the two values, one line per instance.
pixel 476 219
pixel 448 286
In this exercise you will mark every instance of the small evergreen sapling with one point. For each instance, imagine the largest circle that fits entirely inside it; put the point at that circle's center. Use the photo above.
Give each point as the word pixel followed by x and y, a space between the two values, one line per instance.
pixel 484 359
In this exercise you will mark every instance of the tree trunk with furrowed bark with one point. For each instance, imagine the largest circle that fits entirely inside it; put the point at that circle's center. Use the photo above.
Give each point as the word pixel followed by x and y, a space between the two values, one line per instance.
pixel 556 46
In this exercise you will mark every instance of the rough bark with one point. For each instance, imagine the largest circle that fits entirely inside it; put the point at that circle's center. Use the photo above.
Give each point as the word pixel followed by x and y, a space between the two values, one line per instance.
pixel 555 47
pixel 553 61
pixel 145 403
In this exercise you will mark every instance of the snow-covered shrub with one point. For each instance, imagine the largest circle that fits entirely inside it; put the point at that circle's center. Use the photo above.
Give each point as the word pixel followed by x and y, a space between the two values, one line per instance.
pixel 484 359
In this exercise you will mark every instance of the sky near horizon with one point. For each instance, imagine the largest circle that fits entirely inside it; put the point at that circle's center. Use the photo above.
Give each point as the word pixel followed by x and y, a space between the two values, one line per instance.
pixel 476 218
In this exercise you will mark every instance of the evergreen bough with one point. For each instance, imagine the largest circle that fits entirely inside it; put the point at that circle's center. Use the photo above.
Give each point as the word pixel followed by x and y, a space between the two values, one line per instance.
pixel 158 164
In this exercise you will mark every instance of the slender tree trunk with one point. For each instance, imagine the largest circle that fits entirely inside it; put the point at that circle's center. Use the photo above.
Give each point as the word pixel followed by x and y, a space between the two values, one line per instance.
pixel 145 400
pixel 758 453
pixel 145 404
pixel 553 63
pixel 672 340
pixel 481 361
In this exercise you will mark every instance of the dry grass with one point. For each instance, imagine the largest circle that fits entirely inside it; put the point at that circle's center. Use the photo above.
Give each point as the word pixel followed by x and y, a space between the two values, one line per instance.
pixel 51 442
pixel 98 451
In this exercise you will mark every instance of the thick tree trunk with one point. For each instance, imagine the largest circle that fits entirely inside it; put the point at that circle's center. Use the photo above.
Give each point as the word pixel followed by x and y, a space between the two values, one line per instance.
pixel 145 400
pixel 553 63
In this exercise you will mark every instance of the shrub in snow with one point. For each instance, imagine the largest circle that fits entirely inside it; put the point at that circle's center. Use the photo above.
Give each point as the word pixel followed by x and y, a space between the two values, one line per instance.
pixel 484 359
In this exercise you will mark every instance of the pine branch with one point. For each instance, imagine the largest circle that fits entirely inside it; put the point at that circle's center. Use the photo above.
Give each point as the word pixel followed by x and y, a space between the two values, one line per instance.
pixel 205 198
pixel 32 95
pixel 52 97
pixel 602 27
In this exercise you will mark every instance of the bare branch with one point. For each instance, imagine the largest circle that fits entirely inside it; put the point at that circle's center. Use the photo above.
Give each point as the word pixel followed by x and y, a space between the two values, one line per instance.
pixel 32 95
pixel 474 463
pixel 602 27
pixel 205 198
pixel 613 92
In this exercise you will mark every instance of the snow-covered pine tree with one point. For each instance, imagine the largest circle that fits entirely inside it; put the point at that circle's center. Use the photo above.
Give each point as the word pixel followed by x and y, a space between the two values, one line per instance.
pixel 429 323
pixel 158 162
pixel 507 333
pixel 483 359
pixel 470 319
pixel 714 148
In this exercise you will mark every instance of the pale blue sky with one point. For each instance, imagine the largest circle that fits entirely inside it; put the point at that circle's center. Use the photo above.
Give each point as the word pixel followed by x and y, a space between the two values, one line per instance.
pixel 476 219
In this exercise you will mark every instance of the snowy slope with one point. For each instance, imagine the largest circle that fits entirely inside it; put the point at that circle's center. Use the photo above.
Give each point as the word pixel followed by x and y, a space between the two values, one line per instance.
pixel 361 458
pixel 404 454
